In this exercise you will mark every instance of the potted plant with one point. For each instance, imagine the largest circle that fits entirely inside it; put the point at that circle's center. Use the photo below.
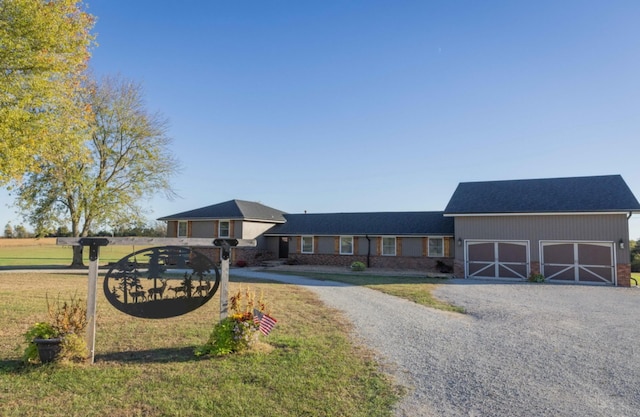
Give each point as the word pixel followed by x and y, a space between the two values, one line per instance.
pixel 44 342
pixel 61 337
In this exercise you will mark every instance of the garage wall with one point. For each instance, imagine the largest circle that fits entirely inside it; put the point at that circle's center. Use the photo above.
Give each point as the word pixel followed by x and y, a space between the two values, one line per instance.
pixel 606 228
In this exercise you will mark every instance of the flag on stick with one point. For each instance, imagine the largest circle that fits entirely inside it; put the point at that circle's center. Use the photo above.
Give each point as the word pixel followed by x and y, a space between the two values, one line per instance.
pixel 257 316
pixel 266 324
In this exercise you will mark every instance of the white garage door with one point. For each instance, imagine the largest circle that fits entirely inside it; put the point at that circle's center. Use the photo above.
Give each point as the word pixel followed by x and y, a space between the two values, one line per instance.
pixel 589 262
pixel 497 259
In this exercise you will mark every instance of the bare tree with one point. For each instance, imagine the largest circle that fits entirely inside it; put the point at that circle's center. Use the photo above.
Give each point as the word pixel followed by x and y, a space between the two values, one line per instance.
pixel 127 158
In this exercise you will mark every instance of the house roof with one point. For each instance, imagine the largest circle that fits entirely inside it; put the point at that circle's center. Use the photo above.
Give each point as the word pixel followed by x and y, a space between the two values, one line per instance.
pixel 381 223
pixel 607 193
pixel 233 209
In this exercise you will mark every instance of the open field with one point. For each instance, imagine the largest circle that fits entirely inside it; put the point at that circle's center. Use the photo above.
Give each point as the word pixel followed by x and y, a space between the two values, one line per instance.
pixel 45 253
pixel 147 367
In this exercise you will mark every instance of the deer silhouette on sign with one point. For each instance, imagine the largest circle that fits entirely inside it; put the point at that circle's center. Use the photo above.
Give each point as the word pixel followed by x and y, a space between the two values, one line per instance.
pixel 203 288
pixel 178 280
pixel 138 295
pixel 158 291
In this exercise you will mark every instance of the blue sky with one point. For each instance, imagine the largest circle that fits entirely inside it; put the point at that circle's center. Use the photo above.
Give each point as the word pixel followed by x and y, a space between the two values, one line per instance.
pixel 330 106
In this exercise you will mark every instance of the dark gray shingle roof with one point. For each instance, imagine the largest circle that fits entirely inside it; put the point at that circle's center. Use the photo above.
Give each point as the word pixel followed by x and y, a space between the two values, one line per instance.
pixel 233 209
pixel 381 223
pixel 607 193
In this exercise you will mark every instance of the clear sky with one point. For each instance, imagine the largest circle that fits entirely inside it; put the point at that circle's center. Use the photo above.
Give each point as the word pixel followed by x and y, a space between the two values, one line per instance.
pixel 331 106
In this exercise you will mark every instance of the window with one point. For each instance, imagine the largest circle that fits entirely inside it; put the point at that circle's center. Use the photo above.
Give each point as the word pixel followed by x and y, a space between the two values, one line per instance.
pixel 389 246
pixel 436 247
pixel 307 244
pixel 182 229
pixel 346 245
pixel 223 228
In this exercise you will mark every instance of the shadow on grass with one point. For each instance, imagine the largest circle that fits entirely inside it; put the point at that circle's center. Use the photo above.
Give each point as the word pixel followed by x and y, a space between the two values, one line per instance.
pixel 160 355
pixel 12 366
pixel 50 269
pixel 35 267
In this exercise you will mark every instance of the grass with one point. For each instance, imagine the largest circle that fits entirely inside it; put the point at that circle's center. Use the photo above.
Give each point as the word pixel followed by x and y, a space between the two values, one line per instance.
pixel 45 253
pixel 635 275
pixel 416 289
pixel 147 367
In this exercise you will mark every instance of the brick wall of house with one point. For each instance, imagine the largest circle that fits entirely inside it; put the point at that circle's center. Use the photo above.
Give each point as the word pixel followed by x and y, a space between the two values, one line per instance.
pixel 535 267
pixel 395 262
pixel 624 275
pixel 458 269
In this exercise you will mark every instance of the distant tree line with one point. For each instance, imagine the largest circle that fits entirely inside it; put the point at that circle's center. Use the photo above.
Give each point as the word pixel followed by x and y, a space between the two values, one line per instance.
pixel 157 229
pixel 18 232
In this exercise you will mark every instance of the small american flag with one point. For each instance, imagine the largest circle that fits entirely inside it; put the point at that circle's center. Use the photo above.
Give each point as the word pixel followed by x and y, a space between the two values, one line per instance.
pixel 257 316
pixel 266 324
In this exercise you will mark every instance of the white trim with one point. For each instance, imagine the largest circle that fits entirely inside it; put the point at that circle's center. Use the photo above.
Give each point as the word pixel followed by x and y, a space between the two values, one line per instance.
pixel 496 264
pixel 576 266
pixel 577 213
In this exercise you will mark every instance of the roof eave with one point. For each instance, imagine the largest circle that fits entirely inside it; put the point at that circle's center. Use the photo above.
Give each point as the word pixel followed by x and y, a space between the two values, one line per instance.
pixel 541 213
pixel 206 219
pixel 360 234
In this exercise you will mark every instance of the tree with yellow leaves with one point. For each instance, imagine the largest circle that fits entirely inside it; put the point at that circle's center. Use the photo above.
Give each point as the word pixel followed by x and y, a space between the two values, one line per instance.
pixel 44 51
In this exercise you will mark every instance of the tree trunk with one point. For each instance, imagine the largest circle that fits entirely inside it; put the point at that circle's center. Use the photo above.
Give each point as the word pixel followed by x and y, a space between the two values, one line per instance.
pixel 77 257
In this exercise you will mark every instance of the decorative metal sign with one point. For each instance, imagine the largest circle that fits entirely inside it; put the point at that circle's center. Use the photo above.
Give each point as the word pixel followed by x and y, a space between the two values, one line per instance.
pixel 161 282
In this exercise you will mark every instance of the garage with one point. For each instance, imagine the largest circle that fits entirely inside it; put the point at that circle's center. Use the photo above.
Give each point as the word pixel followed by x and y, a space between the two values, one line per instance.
pixel 497 259
pixel 586 262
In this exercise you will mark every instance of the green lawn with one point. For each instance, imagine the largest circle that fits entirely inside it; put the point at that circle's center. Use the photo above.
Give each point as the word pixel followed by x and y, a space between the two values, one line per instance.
pixel 416 289
pixel 635 275
pixel 56 256
pixel 147 368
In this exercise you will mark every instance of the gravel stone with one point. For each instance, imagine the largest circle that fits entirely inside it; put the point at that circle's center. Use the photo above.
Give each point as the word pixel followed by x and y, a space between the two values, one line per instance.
pixel 520 350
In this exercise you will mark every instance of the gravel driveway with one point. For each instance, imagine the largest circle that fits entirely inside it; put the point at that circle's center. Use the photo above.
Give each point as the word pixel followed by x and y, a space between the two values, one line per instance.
pixel 521 349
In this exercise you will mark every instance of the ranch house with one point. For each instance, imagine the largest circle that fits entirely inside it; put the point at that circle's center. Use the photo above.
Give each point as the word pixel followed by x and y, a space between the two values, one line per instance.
pixel 571 230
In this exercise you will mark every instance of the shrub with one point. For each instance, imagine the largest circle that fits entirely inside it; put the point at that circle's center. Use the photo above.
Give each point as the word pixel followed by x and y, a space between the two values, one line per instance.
pixel 233 334
pixel 536 278
pixel 444 268
pixel 239 331
pixel 635 264
pixel 241 263
pixel 74 347
pixel 68 317
pixel 358 266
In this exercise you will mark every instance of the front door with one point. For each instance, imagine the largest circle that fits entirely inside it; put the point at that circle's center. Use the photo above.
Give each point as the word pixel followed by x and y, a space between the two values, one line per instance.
pixel 283 250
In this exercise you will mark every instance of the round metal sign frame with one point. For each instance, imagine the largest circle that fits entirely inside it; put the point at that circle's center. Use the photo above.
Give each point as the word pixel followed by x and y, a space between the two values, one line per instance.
pixel 161 282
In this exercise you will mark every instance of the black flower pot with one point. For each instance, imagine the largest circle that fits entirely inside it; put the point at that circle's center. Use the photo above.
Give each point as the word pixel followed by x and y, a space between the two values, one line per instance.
pixel 48 349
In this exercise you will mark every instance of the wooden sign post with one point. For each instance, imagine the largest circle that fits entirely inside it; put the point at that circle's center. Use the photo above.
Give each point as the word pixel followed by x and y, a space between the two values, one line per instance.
pixel 225 246
pixel 94 244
